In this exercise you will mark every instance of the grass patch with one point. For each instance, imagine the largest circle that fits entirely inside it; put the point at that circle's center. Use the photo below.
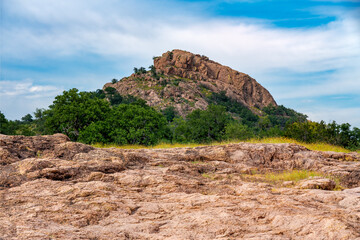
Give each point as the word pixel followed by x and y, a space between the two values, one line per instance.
pixel 274 140
pixel 311 146
pixel 197 162
pixel 206 175
pixel 294 176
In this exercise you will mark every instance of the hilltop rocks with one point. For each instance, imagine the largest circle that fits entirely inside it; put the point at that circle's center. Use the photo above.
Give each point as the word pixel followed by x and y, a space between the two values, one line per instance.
pixel 75 191
pixel 185 81
pixel 215 76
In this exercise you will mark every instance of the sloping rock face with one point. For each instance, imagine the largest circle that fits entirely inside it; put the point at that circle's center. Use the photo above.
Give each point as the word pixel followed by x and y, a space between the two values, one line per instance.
pixel 75 191
pixel 237 85
pixel 187 79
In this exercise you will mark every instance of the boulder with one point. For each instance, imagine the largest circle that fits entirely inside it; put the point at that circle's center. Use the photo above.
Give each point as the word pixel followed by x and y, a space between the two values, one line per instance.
pixel 317 183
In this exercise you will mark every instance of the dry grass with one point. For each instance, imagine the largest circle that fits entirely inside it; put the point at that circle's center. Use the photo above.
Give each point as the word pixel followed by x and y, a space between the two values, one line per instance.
pixel 293 175
pixel 311 146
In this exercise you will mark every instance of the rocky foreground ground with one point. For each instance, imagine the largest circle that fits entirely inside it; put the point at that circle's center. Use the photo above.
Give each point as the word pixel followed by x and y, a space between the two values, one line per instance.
pixel 51 188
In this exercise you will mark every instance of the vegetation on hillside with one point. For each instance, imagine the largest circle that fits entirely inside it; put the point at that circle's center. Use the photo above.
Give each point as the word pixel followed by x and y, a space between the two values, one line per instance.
pixel 106 117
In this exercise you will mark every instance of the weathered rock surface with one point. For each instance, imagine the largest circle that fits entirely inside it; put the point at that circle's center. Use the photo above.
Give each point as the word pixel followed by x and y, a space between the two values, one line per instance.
pixel 317 183
pixel 74 191
pixel 187 79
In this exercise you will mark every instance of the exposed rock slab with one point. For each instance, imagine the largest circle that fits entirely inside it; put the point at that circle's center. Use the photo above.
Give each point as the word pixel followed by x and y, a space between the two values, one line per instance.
pixel 74 191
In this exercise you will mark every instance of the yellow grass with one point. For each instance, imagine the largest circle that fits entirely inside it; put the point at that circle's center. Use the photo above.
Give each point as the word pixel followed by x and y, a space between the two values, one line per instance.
pixel 293 175
pixel 311 146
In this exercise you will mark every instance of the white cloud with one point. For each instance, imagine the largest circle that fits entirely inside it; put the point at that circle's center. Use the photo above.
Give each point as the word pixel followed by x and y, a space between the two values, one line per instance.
pixel 25 88
pixel 90 27
pixel 329 114
pixel 21 97
pixel 134 30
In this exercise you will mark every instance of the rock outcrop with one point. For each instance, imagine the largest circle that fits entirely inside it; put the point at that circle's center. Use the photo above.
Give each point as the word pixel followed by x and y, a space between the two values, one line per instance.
pixel 185 80
pixel 51 188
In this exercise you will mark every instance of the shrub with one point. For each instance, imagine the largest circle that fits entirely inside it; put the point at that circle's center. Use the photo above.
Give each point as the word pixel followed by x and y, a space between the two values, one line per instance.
pixel 202 125
pixel 72 111
pixel 169 113
pixel 237 131
pixel 127 124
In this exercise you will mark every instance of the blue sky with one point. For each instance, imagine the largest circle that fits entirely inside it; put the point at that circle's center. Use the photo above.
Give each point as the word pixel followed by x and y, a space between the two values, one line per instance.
pixel 306 53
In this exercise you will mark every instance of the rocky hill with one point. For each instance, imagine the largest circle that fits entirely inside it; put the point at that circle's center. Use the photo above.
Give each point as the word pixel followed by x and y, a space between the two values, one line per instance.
pixel 186 80
pixel 52 188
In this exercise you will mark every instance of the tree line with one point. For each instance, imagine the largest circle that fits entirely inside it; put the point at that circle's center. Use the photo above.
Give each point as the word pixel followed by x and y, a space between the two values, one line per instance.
pixel 105 116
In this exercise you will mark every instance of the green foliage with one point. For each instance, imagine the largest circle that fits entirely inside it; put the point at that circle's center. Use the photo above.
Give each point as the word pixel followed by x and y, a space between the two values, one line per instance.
pixel 115 98
pixel 202 125
pixel 171 55
pixel 169 113
pixel 27 118
pixel 280 115
pixel 39 121
pixel 99 93
pixel 140 70
pixel 72 111
pixel 237 131
pixel 331 133
pixel 271 132
pixel 176 81
pixel 247 117
pixel 4 124
pixel 127 124
pixel 153 70
pixel 114 80
pixel 24 127
pixel 110 90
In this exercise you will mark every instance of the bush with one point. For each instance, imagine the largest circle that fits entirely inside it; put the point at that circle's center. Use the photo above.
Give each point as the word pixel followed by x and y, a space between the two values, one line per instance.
pixel 202 125
pixel 169 113
pixel 4 124
pixel 331 133
pixel 127 124
pixel 238 131
pixel 247 117
pixel 280 115
pixel 72 111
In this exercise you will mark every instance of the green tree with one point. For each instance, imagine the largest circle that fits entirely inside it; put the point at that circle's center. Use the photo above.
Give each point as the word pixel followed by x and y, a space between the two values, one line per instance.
pixel 127 124
pixel 179 130
pixel 247 117
pixel 280 115
pixel 169 113
pixel 40 121
pixel 4 124
pixel 153 70
pixel 110 90
pixel 142 70
pixel 203 125
pixel 237 131
pixel 73 110
pixel 27 118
